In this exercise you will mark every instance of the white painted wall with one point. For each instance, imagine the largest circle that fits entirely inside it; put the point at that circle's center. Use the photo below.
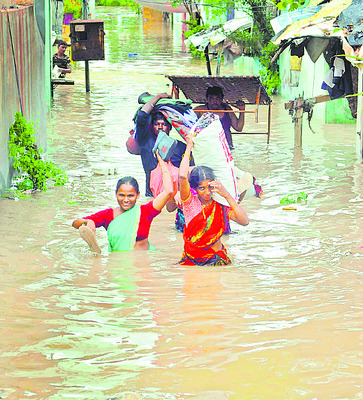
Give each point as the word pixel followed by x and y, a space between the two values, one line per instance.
pixel 310 80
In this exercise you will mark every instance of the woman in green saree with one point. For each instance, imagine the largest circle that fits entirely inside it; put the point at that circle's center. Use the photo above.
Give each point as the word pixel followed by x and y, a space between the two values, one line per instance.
pixel 127 225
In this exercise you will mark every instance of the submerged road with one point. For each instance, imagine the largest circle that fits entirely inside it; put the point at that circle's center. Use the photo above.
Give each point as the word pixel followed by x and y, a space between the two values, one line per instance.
pixel 282 322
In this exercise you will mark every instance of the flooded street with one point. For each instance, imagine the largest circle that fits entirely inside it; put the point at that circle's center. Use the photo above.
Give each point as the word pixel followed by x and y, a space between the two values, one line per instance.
pixel 282 322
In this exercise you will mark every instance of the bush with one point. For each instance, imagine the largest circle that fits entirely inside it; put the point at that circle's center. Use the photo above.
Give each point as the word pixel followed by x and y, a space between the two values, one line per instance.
pixel 73 7
pixel 27 159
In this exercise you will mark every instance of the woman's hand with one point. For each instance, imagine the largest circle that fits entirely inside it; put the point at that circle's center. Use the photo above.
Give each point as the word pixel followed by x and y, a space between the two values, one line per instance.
pixel 164 96
pixel 168 191
pixel 217 187
pixel 238 214
pixel 189 140
pixel 160 160
pixel 177 200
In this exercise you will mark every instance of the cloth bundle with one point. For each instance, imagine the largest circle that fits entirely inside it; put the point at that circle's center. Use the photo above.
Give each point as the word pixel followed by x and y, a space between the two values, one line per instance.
pixel 209 134
pixel 165 144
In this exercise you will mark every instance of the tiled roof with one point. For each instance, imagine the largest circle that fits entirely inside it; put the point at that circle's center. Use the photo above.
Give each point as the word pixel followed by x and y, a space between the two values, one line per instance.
pixel 234 88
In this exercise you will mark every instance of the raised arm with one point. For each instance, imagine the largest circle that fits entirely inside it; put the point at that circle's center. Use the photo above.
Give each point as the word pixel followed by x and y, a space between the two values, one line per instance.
pixel 238 214
pixel 184 170
pixel 200 107
pixel 238 123
pixel 168 190
pixel 148 107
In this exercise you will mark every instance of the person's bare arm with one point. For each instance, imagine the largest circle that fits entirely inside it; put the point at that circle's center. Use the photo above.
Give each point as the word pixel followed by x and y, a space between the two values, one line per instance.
pixel 238 123
pixel 77 223
pixel 184 170
pixel 162 198
pixel 200 107
pixel 238 214
pixel 67 70
pixel 174 203
pixel 148 107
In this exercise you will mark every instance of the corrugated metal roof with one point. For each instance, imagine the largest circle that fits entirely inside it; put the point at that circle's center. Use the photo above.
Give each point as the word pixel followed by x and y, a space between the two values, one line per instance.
pixel 320 24
pixel 217 34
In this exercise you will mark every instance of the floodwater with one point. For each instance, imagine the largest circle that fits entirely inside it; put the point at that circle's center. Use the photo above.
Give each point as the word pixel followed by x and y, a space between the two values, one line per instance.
pixel 282 322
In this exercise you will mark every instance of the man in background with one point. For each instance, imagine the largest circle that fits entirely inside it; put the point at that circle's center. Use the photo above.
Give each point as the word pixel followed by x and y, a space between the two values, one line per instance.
pixel 214 97
pixel 61 60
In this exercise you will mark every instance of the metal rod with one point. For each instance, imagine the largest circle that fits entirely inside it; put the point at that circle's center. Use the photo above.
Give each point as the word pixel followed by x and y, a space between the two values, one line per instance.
pixel 257 103
pixel 249 133
pixel 86 70
pixel 229 111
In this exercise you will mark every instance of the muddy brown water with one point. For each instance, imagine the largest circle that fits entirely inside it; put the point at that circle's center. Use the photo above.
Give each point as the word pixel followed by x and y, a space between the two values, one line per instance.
pixel 282 322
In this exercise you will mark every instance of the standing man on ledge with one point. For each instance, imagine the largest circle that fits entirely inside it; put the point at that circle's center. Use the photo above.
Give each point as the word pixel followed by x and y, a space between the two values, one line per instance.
pixel 61 60
pixel 214 97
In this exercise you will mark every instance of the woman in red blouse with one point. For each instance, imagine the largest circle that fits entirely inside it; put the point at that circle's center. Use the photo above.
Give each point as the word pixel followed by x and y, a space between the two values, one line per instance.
pixel 127 225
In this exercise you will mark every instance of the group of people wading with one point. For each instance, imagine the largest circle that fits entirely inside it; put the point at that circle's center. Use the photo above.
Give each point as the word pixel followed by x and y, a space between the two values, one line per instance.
pixel 204 219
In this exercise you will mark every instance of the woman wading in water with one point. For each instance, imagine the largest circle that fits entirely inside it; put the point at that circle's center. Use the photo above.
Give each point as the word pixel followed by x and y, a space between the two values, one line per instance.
pixel 127 225
pixel 205 219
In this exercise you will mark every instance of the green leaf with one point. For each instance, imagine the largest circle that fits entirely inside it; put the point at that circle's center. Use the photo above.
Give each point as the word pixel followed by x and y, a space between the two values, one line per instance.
pixel 25 157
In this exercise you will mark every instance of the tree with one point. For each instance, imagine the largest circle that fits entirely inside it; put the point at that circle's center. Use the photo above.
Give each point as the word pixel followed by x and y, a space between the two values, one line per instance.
pixel 254 42
pixel 289 5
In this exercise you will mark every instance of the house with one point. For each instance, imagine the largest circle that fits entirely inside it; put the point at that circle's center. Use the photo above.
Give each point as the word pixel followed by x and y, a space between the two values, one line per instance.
pixel 311 43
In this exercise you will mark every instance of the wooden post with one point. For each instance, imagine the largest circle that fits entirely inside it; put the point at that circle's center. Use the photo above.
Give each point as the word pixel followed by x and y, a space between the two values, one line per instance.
pixel 298 121
pixel 219 58
pixel 297 106
pixel 207 61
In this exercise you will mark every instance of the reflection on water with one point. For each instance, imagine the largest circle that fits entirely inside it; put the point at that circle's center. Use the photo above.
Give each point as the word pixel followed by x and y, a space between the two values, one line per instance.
pixel 282 322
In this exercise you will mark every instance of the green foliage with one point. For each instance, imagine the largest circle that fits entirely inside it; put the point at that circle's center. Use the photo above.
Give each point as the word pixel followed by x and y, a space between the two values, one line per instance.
pixel 269 74
pixel 251 42
pixel 27 161
pixel 289 5
pixel 73 7
pixel 294 198
pixel 13 194
pixel 213 8
pixel 120 3
pixel 193 29
pixel 254 43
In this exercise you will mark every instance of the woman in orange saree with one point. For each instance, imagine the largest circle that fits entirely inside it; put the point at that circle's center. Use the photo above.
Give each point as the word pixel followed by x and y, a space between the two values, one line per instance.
pixel 205 219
